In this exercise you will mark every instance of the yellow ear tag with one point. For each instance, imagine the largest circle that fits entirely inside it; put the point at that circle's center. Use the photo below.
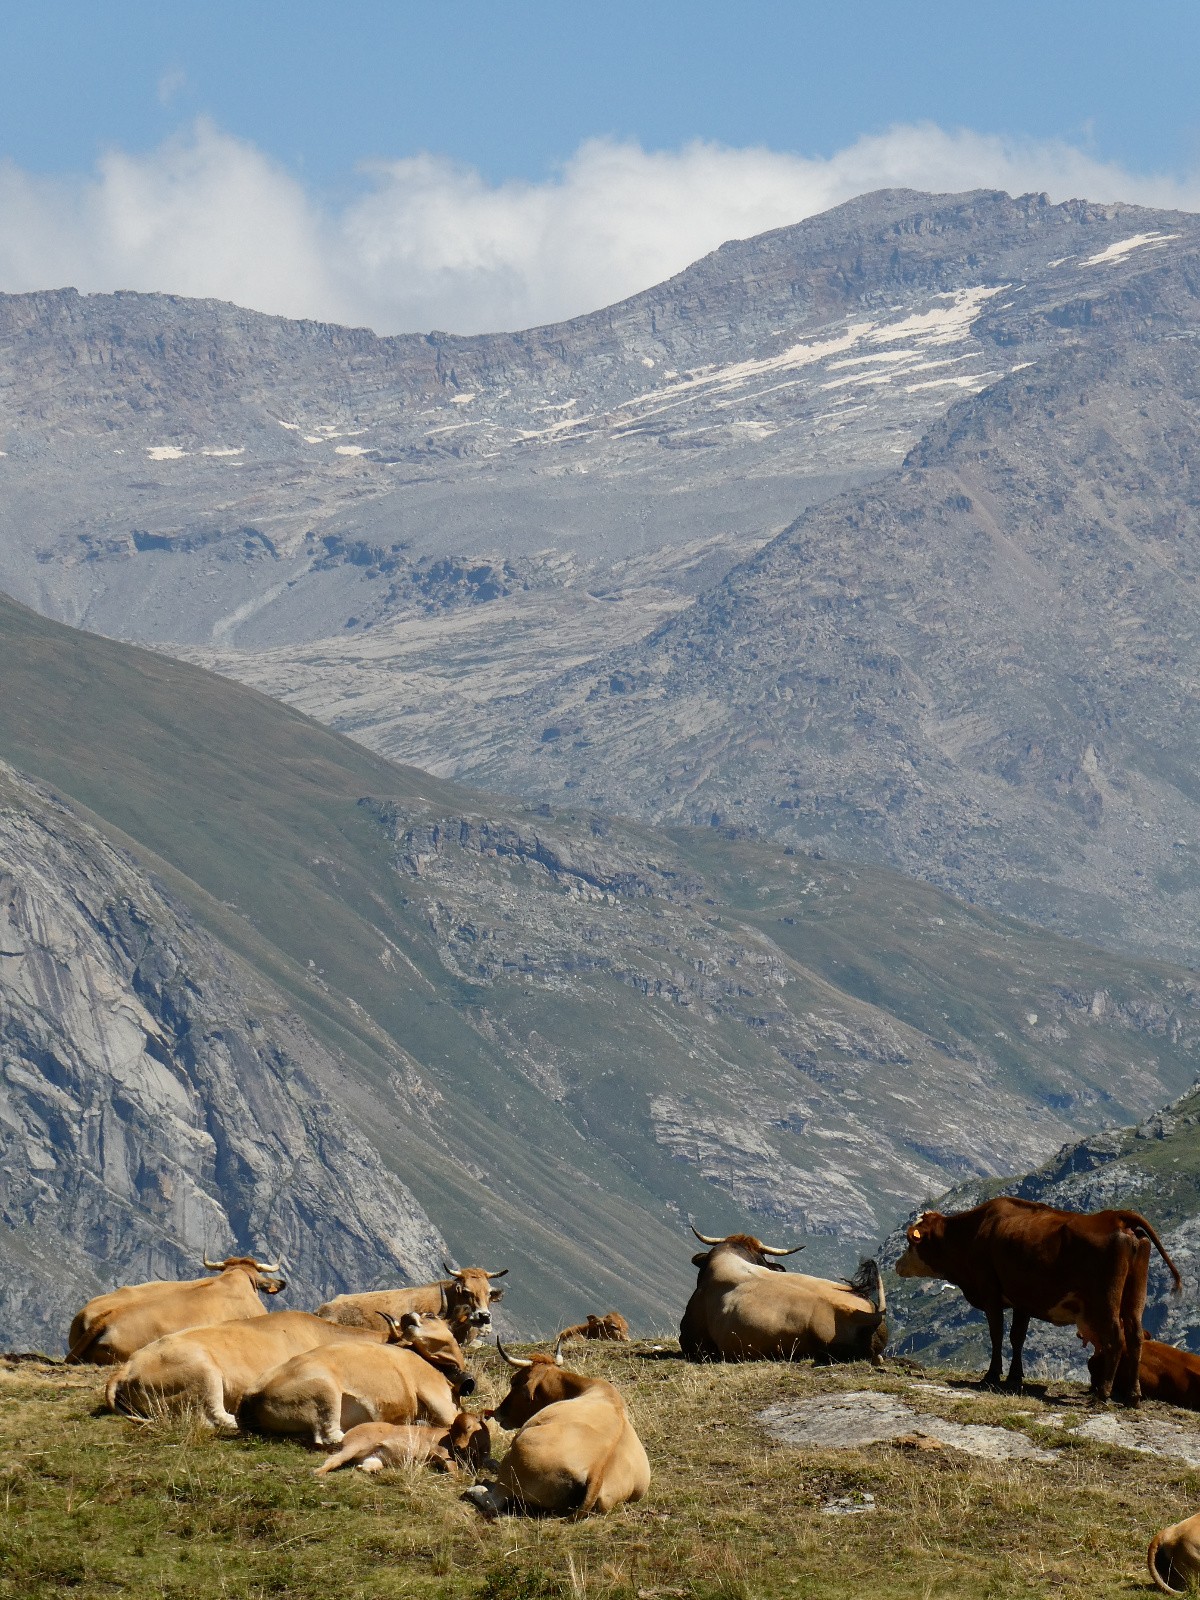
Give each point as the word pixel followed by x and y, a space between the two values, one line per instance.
pixel 916 1233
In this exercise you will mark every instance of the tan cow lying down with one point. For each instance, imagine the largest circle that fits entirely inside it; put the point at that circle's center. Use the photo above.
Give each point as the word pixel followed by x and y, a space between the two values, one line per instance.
pixel 214 1369
pixel 371 1446
pixel 112 1326
pixel 611 1326
pixel 746 1308
pixel 1175 1554
pixel 464 1298
pixel 576 1451
pixel 320 1393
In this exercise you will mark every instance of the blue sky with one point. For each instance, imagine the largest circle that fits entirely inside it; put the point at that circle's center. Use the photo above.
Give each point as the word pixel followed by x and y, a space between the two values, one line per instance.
pixel 297 127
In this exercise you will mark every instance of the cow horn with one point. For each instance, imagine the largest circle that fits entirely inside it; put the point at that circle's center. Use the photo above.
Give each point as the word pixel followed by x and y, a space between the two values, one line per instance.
pixel 513 1361
pixel 394 1328
pixel 449 1270
pixel 268 1266
pixel 773 1250
pixel 213 1266
pixel 501 1274
pixel 703 1237
pixel 558 1358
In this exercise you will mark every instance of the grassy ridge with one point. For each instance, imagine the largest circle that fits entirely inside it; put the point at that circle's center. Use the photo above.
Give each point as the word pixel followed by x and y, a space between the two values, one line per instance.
pixel 96 1505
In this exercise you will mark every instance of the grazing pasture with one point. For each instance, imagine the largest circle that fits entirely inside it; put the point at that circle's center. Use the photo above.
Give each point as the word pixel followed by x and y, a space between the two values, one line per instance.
pixel 96 1505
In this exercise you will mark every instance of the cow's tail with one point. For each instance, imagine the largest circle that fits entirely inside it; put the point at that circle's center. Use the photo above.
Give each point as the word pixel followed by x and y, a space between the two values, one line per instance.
pixel 1156 1572
pixel 1132 1219
pixel 868 1282
pixel 82 1348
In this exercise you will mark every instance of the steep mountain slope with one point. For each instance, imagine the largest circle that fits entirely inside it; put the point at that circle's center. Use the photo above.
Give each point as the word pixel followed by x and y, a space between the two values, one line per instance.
pixel 563 1033
pixel 157 1101
pixel 981 671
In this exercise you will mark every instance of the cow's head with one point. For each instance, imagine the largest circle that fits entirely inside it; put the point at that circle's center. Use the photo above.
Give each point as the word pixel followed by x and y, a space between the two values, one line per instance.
pixel 262 1274
pixel 432 1339
pixel 470 1440
pixel 537 1381
pixel 925 1247
pixel 744 1245
pixel 612 1326
pixel 469 1296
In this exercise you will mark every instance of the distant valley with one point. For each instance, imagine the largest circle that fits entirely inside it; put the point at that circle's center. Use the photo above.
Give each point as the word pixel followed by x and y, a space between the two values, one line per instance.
pixel 543 1038
pixel 771 795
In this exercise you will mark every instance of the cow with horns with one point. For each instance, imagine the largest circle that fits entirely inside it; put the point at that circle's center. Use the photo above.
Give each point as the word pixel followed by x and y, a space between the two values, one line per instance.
pixel 464 1298
pixel 112 1327
pixel 576 1450
pixel 745 1307
pixel 1087 1269
pixel 417 1375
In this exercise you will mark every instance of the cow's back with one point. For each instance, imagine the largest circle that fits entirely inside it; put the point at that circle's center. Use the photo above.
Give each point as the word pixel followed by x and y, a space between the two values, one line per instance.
pixel 1049 1261
pixel 578 1454
pixel 364 1310
pixel 242 1352
pixel 1169 1374
pixel 788 1315
pixel 130 1319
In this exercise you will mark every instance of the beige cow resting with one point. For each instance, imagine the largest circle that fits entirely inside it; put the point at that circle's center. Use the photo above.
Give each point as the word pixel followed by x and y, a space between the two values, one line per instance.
pixel 112 1326
pixel 576 1451
pixel 213 1369
pixel 318 1394
pixel 1174 1553
pixel 745 1308
pixel 371 1446
pixel 612 1327
pixel 464 1298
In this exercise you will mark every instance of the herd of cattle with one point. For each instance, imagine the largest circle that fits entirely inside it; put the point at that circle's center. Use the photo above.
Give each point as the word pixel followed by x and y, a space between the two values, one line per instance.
pixel 378 1378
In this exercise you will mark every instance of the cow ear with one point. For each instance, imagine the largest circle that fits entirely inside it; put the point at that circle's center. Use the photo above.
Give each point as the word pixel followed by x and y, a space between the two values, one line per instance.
pixel 700 1258
pixel 495 1294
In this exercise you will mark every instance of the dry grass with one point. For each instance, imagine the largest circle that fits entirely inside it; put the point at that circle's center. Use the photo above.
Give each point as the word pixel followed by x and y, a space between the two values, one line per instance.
pixel 97 1506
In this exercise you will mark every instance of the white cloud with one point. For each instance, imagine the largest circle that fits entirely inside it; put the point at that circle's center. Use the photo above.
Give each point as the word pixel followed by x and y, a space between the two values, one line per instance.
pixel 431 244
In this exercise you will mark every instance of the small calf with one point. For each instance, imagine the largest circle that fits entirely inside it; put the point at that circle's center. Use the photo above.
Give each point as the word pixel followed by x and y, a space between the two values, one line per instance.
pixel 371 1446
pixel 611 1326
pixel 1175 1553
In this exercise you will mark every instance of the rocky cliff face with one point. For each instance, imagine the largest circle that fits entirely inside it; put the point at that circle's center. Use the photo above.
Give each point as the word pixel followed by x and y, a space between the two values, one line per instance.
pixel 157 1103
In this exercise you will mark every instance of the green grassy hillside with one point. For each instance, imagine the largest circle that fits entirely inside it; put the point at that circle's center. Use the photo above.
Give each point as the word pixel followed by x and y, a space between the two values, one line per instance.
pixel 566 1033
pixel 96 1505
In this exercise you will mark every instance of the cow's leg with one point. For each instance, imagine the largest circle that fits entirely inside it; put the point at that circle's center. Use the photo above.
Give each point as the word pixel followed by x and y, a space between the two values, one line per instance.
pixel 1127 1383
pixel 326 1415
pixel 995 1318
pixel 1016 1337
pixel 1110 1345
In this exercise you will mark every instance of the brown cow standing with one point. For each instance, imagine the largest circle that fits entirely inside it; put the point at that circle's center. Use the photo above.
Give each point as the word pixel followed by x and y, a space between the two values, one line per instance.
pixel 1064 1267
